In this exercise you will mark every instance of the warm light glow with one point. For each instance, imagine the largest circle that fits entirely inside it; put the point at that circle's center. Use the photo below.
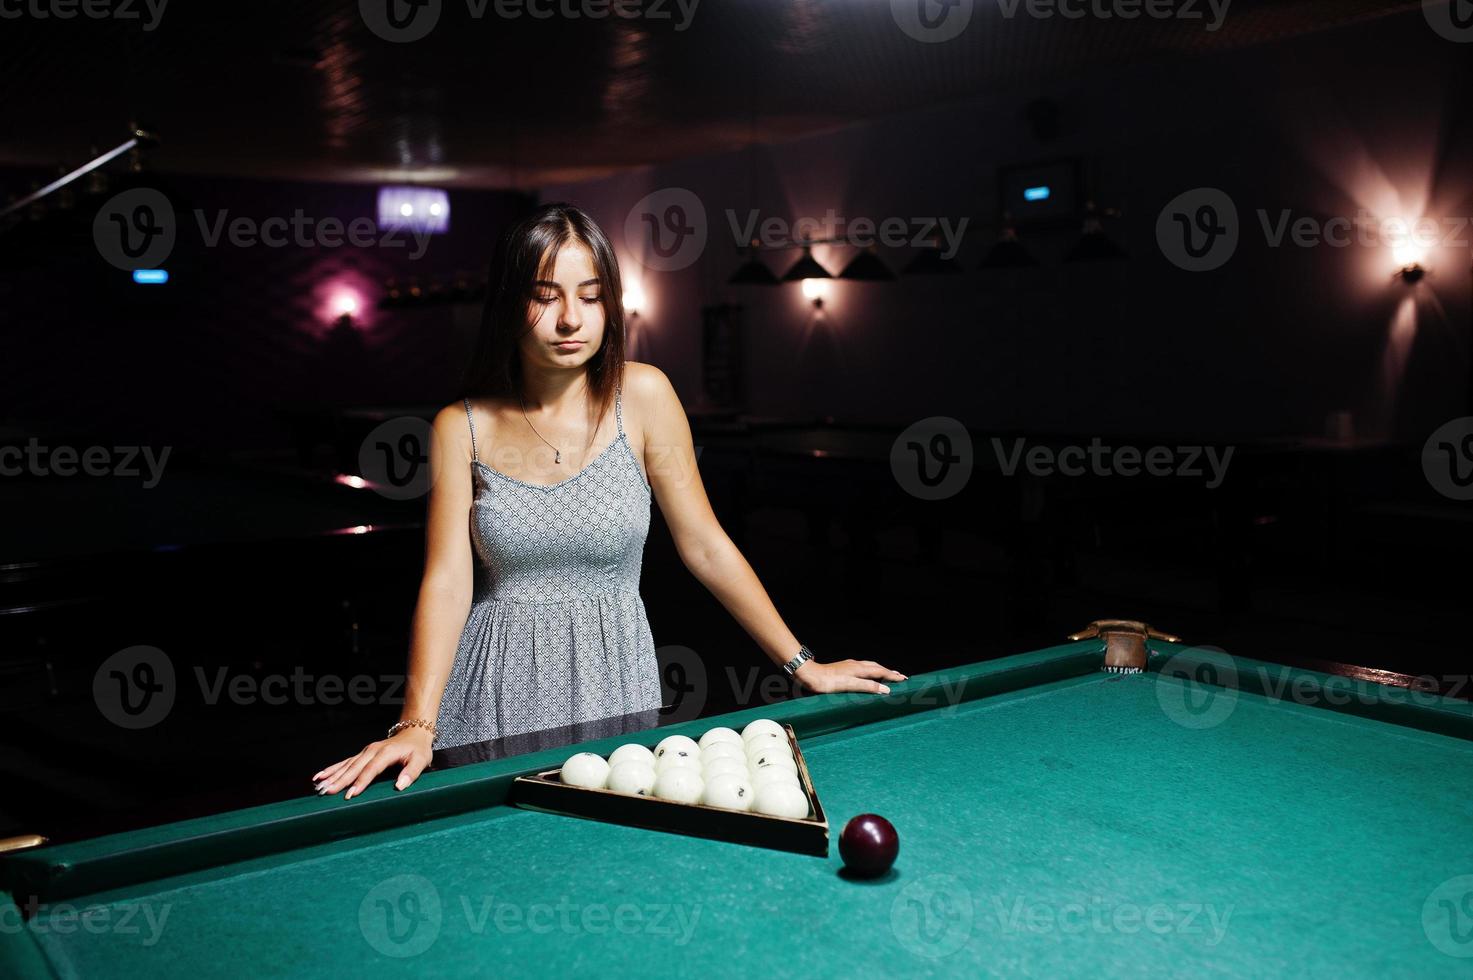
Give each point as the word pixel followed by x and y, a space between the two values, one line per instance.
pixel 1408 240
pixel 345 304
pixel 406 209
pixel 349 480
pixel 633 298
pixel 816 290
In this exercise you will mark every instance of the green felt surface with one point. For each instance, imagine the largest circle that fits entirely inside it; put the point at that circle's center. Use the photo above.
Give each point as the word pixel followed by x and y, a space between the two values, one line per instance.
pixel 1082 827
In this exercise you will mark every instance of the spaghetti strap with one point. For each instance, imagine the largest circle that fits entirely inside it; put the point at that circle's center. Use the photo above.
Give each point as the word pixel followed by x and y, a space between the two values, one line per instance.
pixel 472 420
pixel 618 412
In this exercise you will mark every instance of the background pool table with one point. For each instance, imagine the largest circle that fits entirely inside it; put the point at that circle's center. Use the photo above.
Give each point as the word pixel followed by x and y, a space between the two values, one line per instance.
pixel 1212 815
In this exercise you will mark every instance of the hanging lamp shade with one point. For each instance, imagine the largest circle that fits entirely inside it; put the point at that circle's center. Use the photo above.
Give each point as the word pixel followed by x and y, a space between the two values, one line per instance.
pixel 1008 253
pixel 753 272
pixel 867 267
pixel 1094 245
pixel 806 267
pixel 928 261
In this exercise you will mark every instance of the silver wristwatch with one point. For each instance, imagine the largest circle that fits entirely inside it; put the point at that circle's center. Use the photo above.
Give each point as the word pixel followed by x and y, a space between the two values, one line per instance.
pixel 804 655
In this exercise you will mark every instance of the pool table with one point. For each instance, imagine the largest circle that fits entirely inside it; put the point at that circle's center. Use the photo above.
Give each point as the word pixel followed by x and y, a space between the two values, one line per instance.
pixel 1208 815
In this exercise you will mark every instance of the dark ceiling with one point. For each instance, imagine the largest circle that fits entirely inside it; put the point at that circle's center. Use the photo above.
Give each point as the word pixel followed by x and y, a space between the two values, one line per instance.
pixel 307 90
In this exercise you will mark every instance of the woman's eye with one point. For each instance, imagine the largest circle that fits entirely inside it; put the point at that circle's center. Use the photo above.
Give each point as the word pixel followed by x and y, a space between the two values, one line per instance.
pixel 592 299
pixel 544 300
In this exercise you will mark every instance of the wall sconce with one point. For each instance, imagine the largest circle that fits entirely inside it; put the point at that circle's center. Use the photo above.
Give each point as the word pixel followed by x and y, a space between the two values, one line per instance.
pixel 633 299
pixel 814 291
pixel 1411 274
pixel 1408 257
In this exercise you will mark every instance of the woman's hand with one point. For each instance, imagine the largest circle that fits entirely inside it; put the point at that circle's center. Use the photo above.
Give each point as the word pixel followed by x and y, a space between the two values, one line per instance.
pixel 410 748
pixel 846 675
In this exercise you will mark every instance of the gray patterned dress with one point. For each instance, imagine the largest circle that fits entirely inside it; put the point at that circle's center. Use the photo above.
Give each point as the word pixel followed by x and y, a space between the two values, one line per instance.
pixel 557 633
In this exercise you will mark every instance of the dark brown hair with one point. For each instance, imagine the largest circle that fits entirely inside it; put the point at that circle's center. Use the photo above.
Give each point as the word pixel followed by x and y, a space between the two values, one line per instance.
pixel 521 257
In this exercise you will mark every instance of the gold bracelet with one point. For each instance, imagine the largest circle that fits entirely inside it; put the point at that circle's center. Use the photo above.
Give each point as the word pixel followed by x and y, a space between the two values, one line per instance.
pixel 399 726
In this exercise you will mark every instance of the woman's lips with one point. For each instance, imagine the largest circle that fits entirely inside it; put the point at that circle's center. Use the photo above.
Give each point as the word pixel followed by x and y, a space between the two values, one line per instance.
pixel 568 344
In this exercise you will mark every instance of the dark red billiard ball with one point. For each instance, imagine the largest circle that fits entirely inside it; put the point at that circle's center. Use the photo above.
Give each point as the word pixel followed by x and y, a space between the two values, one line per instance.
pixel 868 845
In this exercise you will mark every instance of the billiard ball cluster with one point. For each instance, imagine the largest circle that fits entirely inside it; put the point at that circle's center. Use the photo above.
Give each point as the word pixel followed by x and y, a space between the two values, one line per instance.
pixel 754 770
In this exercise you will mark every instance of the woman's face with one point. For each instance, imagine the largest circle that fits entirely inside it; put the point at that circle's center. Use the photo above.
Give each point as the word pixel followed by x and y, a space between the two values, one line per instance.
pixel 567 311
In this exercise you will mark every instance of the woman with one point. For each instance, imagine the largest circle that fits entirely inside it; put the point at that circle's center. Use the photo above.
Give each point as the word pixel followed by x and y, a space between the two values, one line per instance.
pixel 529 614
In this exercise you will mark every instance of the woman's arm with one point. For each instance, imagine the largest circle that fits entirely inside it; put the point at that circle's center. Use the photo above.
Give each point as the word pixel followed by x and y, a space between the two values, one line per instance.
pixel 439 615
pixel 708 551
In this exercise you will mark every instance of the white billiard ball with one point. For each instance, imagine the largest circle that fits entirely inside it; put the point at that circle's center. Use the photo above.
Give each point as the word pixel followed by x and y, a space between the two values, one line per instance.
pixel 680 784
pixel 721 767
pixel 717 735
pixel 677 743
pixel 729 791
pixel 632 776
pixel 779 760
pixel 763 725
pixel 632 753
pixel 585 769
pixel 723 750
pixel 765 740
pixel 773 775
pixel 677 759
pixel 781 800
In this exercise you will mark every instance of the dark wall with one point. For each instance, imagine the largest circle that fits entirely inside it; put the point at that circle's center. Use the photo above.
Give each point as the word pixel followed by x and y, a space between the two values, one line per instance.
pixel 242 332
pixel 1271 344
